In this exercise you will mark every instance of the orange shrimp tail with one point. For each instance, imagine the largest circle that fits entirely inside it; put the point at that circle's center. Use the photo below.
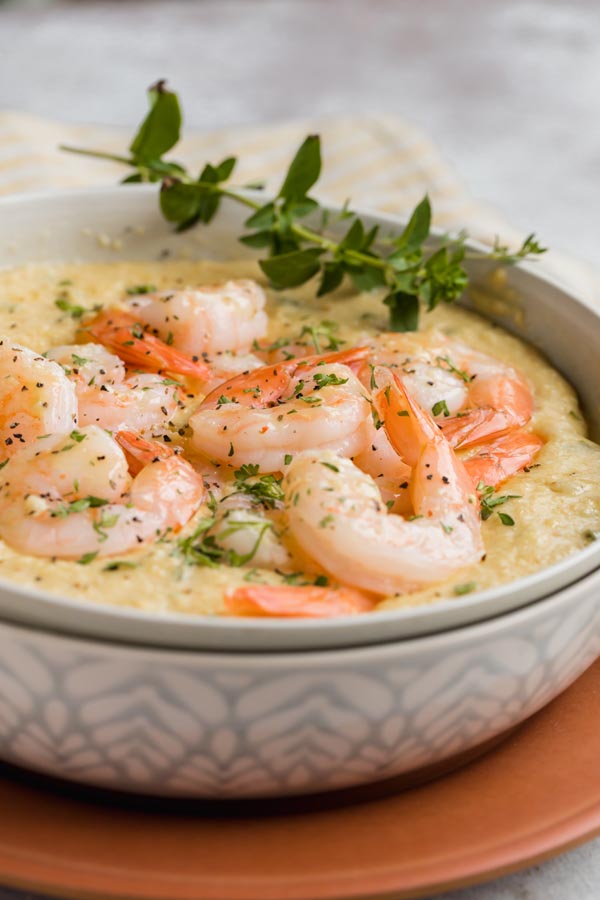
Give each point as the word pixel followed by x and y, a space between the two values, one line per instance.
pixel 265 386
pixel 502 458
pixel 122 333
pixel 255 390
pixel 141 451
pixel 407 425
pixel 476 426
pixel 354 358
pixel 296 601
pixel 500 407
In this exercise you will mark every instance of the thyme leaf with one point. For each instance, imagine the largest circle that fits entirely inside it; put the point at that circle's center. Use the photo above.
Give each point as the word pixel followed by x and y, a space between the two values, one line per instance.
pixel 489 500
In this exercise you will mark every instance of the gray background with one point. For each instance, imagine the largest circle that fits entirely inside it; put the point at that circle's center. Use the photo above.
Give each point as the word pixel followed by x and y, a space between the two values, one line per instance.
pixel 509 89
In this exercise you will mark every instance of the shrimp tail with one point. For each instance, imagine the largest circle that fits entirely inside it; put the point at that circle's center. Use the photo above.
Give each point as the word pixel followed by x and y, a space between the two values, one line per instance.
pixel 123 334
pixel 501 405
pixel 407 425
pixel 477 425
pixel 422 445
pixel 254 390
pixel 502 458
pixel 265 386
pixel 354 358
pixel 296 601
pixel 141 451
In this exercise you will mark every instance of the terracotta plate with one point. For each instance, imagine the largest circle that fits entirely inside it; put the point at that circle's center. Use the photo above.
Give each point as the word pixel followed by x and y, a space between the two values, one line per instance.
pixel 537 793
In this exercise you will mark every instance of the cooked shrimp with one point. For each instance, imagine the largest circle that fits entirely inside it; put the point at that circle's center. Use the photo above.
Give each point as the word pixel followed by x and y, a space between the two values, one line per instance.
pixel 74 497
pixel 503 457
pixel 337 515
pixel 250 534
pixel 225 366
pixel 297 601
pixel 392 475
pixel 499 400
pixel 108 398
pixel 36 398
pixel 421 363
pixel 269 414
pixel 124 334
pixel 89 364
pixel 210 319
pixel 471 395
pixel 142 402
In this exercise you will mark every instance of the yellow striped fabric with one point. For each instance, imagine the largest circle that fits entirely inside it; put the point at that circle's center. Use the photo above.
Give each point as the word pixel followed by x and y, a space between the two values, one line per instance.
pixel 380 162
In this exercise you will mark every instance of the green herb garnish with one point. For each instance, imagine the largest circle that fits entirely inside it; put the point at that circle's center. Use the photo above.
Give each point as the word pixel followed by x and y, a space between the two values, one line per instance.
pixel 326 520
pixel 301 579
pixel 506 519
pixel 103 523
pixel 87 558
pixel 137 289
pixel 322 381
pixel 72 309
pixel 202 549
pixel 466 588
pixel 119 564
pixel 322 336
pixel 440 407
pixel 77 506
pixel 529 247
pixel 265 489
pixel 489 500
pixel 404 267
pixel 452 368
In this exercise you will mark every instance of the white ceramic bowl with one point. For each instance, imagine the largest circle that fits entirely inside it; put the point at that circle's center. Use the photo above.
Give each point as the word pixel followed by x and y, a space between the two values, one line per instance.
pixel 200 724
pixel 124 222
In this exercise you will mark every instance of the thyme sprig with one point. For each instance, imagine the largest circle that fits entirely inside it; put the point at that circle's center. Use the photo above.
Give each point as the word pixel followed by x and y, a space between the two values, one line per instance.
pixel 409 272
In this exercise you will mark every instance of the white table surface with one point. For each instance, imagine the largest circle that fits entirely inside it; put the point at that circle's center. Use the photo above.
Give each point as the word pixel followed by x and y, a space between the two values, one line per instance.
pixel 509 89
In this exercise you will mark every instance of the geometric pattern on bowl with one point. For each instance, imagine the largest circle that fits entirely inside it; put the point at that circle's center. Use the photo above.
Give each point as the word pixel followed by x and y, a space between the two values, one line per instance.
pixel 214 725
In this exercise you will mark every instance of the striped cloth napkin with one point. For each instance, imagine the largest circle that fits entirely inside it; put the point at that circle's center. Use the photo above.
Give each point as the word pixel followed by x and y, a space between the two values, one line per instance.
pixel 380 162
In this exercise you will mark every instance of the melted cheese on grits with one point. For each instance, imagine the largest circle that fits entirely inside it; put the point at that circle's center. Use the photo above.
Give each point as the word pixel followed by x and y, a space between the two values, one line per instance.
pixel 558 505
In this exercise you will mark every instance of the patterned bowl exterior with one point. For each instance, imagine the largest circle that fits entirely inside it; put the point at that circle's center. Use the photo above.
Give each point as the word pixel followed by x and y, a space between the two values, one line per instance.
pixel 216 725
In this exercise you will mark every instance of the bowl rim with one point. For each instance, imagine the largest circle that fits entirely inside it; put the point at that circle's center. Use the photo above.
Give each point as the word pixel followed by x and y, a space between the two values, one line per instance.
pixel 96 612
pixel 330 656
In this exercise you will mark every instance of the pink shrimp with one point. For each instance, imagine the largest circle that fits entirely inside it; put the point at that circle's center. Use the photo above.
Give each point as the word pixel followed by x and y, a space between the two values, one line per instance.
pixel 211 319
pixel 36 398
pixel 499 400
pixel 265 416
pixel 336 514
pixel 266 385
pixel 503 457
pixel 296 601
pixel 122 333
pixel 111 398
pixel 73 497
pixel 472 396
